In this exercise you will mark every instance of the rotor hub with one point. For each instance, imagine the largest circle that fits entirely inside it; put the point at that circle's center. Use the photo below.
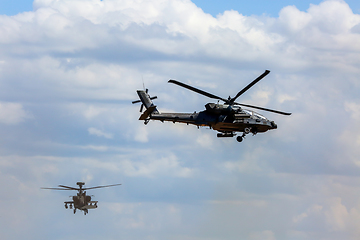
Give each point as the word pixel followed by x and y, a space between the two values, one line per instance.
pixel 80 184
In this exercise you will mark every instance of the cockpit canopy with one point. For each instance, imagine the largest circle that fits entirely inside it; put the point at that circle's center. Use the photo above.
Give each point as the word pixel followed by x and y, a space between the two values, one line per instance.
pixel 254 114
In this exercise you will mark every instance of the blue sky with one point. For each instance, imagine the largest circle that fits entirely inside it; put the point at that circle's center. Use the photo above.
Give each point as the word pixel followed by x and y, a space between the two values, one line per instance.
pixel 14 7
pixel 214 7
pixel 259 7
pixel 69 70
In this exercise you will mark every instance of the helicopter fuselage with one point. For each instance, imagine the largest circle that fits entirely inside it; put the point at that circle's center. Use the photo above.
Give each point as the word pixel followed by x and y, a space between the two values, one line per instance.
pixel 82 202
pixel 221 117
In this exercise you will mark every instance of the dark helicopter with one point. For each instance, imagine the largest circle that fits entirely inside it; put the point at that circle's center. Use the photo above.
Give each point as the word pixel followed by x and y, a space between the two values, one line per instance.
pixel 81 201
pixel 227 118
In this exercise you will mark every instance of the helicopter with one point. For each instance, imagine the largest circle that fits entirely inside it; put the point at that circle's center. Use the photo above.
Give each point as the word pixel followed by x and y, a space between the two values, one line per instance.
pixel 228 118
pixel 81 201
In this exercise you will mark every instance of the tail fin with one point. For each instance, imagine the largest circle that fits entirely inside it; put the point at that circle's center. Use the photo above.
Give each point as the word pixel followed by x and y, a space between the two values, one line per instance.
pixel 146 101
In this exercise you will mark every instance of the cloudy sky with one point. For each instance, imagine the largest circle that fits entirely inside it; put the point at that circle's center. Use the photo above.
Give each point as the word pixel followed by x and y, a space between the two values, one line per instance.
pixel 69 70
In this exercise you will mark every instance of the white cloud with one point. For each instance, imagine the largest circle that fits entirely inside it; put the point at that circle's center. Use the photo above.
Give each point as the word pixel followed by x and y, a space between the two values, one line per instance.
pixel 96 148
pixel 92 112
pixel 336 215
pixel 156 167
pixel 12 113
pixel 353 109
pixel 294 19
pixel 141 134
pixel 205 140
pixel 99 133
pixel 315 209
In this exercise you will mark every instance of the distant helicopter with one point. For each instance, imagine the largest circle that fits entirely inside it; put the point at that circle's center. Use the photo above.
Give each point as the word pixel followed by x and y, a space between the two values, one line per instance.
pixel 227 118
pixel 81 201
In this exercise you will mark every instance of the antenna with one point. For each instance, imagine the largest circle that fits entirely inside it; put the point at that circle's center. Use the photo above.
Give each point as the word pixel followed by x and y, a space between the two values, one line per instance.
pixel 142 78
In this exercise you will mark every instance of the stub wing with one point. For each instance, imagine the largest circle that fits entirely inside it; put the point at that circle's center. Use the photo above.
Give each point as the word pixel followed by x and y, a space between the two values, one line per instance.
pixel 90 205
pixel 189 118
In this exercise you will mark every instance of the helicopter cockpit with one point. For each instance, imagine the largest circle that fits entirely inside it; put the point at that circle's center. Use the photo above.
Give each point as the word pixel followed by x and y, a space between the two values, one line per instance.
pixel 254 114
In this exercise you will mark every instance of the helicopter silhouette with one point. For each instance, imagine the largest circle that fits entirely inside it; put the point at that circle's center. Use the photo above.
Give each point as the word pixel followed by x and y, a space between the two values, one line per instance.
pixel 227 118
pixel 81 201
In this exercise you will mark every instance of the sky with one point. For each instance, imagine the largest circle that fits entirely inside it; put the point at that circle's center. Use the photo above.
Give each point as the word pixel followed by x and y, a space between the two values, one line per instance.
pixel 69 70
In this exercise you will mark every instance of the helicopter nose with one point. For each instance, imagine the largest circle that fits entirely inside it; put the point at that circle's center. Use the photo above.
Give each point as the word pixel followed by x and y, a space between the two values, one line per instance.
pixel 273 125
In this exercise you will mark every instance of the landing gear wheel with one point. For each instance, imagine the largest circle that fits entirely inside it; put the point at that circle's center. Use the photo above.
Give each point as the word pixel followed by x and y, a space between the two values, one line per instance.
pixel 74 210
pixel 239 138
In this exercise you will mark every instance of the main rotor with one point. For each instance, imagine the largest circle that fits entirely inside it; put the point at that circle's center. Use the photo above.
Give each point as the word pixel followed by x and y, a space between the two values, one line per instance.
pixel 231 101
pixel 80 188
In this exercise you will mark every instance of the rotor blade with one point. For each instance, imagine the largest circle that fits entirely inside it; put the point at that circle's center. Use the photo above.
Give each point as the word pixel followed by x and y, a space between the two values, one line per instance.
pixel 196 90
pixel 72 188
pixel 250 85
pixel 265 109
pixel 138 101
pixel 102 186
pixel 56 188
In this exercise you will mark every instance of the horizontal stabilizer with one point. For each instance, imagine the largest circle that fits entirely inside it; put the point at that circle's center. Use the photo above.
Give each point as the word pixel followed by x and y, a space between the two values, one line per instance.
pixel 147 113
